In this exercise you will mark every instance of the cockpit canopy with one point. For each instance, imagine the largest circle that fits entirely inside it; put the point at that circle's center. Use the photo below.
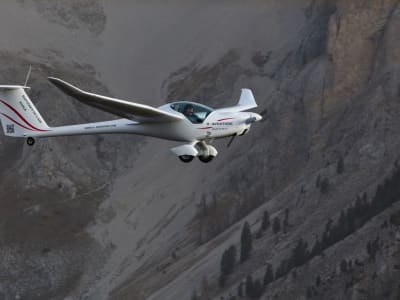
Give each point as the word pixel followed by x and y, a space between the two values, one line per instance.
pixel 194 112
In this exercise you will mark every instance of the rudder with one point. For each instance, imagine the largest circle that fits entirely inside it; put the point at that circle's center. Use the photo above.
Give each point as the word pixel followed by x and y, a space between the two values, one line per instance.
pixel 247 100
pixel 19 116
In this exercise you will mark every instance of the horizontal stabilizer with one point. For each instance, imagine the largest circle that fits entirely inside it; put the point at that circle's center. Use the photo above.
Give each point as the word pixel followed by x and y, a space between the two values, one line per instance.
pixel 13 87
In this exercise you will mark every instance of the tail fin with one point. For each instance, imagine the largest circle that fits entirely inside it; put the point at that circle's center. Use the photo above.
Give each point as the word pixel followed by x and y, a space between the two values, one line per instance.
pixel 19 116
pixel 247 100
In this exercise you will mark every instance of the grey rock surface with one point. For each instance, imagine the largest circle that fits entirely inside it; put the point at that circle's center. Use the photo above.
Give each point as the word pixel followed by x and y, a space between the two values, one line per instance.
pixel 118 217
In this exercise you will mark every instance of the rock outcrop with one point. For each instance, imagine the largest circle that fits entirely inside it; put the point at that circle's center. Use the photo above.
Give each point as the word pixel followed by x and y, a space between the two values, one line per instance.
pixel 111 217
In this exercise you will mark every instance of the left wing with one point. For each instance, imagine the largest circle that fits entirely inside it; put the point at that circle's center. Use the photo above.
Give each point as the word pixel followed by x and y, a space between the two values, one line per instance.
pixel 125 109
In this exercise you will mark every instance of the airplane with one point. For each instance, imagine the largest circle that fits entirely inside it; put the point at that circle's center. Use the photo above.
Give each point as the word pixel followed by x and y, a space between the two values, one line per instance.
pixel 195 124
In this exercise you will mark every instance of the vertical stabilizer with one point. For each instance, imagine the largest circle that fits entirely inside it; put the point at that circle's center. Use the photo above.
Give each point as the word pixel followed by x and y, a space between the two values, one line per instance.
pixel 247 100
pixel 19 116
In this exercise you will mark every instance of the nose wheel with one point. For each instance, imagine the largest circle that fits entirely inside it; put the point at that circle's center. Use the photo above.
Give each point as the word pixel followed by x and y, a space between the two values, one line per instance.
pixel 30 141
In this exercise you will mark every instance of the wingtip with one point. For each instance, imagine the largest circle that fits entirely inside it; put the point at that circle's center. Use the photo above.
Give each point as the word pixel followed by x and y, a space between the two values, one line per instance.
pixel 60 83
pixel 64 86
pixel 53 79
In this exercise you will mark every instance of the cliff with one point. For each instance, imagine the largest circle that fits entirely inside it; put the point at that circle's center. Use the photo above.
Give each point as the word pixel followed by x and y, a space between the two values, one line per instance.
pixel 116 217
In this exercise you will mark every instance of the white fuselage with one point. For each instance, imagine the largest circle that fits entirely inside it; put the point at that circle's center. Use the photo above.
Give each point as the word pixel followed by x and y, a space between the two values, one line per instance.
pixel 218 124
pixel 193 123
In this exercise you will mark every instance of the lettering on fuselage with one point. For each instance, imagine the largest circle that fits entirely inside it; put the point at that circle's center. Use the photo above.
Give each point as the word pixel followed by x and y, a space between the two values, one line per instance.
pixel 28 104
pixel 219 128
pixel 222 124
pixel 22 105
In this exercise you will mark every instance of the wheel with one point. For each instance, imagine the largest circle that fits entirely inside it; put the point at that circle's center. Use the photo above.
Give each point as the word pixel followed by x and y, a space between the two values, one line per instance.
pixel 206 159
pixel 30 141
pixel 186 158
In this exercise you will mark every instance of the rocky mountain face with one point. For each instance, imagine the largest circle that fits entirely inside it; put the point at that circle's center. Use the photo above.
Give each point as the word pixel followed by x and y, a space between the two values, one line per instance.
pixel 48 198
pixel 75 15
pixel 118 217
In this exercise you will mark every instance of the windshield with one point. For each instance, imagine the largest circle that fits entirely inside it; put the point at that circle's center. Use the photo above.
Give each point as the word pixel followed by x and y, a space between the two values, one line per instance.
pixel 194 112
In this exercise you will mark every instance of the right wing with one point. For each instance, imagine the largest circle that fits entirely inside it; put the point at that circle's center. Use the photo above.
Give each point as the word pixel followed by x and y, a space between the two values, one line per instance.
pixel 125 109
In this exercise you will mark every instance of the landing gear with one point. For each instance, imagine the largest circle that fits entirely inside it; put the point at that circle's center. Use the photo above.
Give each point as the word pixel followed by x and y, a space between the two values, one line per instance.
pixel 186 158
pixel 30 141
pixel 206 159
pixel 187 153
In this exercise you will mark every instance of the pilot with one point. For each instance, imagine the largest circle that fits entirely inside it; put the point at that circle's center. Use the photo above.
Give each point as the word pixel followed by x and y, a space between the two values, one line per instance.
pixel 189 113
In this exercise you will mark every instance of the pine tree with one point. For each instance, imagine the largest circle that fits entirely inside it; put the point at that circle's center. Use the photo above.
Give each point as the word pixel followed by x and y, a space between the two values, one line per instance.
pixel 240 290
pixel 258 289
pixel 300 254
pixel 269 275
pixel 276 225
pixel 223 272
pixel 265 221
pixel 309 292
pixel 249 286
pixel 317 248
pixel 246 242
pixel 343 226
pixel 318 281
pixel 343 266
pixel 228 261
pixel 318 181
pixel 286 220
pixel 324 186
pixel 340 166
pixel 282 269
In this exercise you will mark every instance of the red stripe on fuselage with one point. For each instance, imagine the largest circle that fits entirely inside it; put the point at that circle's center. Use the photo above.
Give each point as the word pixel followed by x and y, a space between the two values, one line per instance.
pixel 205 127
pixel 21 117
pixel 225 119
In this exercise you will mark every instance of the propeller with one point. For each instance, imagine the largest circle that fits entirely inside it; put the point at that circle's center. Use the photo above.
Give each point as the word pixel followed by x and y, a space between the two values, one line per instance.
pixel 264 114
pixel 231 140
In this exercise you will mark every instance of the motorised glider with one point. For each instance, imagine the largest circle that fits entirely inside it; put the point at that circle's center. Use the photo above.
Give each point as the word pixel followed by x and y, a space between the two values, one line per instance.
pixel 184 121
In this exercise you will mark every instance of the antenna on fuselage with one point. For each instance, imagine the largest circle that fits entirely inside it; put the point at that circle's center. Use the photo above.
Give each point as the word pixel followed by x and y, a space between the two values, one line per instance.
pixel 28 75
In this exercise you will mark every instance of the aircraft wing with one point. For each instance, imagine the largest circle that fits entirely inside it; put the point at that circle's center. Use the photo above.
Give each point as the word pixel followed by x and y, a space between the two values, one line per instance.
pixel 125 109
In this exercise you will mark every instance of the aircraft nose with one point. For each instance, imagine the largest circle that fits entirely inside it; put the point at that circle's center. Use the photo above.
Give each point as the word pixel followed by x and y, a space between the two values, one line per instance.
pixel 253 118
pixel 258 117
